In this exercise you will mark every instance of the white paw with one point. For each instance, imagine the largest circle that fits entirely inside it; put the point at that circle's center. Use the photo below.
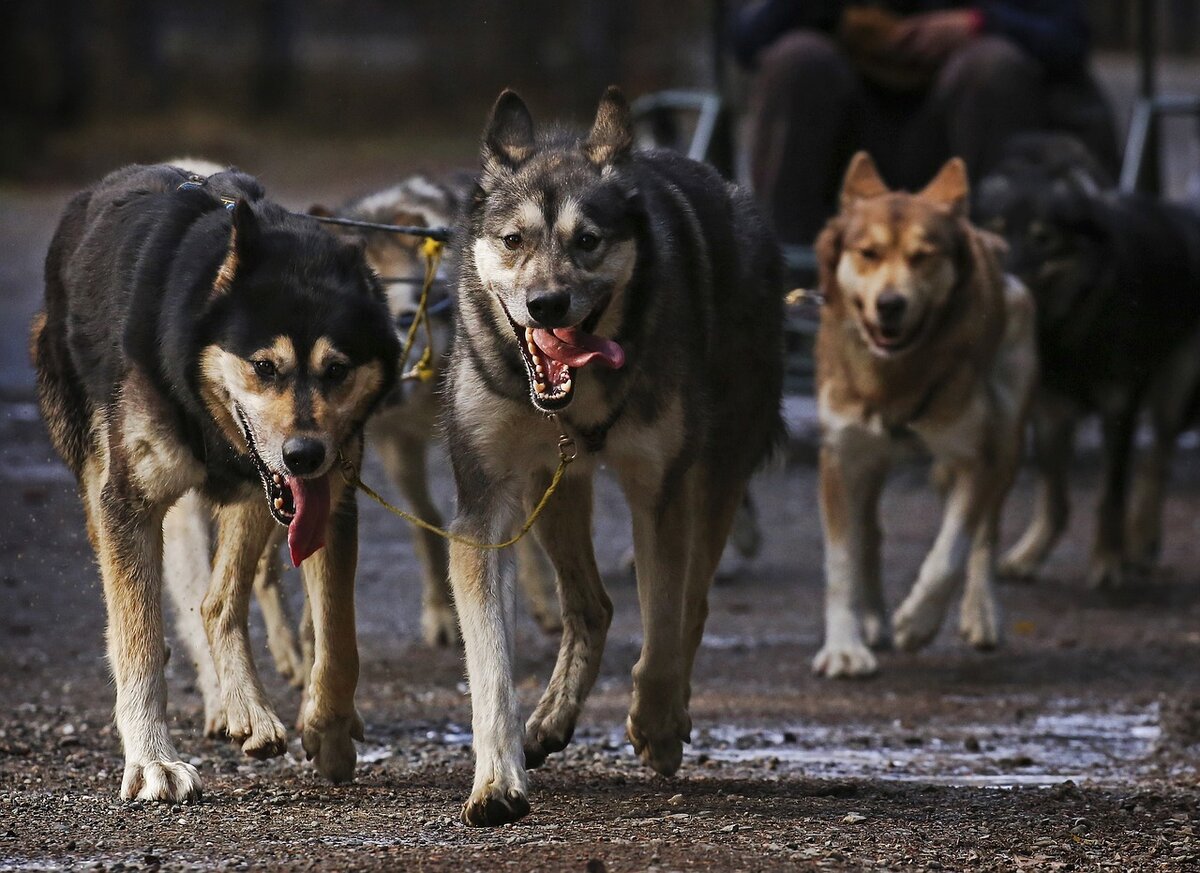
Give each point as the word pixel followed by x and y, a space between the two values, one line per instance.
pixel 439 625
pixel 495 804
pixel 329 744
pixel 168 781
pixel 1019 563
pixel 979 623
pixel 845 661
pixel 916 623
pixel 876 630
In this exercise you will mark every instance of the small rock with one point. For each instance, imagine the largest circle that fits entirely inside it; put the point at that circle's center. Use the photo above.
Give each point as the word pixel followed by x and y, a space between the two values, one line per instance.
pixel 675 800
pixel 853 818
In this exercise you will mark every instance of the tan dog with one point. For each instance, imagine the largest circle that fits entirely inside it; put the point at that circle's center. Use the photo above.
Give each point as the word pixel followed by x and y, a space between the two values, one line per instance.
pixel 921 338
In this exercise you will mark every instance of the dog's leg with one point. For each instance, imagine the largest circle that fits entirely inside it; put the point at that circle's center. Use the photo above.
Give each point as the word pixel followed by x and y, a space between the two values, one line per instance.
pixel 482 581
pixel 1172 397
pixel 128 534
pixel 565 530
pixel 979 622
pixel 331 722
pixel 242 532
pixel 852 473
pixel 403 457
pixel 658 723
pixel 535 573
pixel 281 629
pixel 1107 568
pixel 746 535
pixel 187 570
pixel 717 504
pixel 920 615
pixel 1053 437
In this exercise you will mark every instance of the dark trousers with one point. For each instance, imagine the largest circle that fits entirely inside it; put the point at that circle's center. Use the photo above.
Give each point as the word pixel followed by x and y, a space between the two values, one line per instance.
pixel 811 110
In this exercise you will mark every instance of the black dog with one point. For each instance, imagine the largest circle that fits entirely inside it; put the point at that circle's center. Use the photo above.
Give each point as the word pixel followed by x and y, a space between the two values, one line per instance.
pixel 198 338
pixel 1116 279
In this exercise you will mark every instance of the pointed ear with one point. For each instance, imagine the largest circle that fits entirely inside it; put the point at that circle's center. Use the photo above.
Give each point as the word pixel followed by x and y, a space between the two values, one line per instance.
pixel 949 187
pixel 611 136
pixel 508 137
pixel 243 238
pixel 862 180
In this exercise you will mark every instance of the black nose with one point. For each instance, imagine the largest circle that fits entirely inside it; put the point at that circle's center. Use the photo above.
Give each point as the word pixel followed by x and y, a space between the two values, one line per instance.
pixel 303 455
pixel 890 307
pixel 549 308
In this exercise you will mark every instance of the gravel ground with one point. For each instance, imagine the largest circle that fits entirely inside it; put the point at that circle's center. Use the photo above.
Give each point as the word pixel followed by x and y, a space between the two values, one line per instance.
pixel 1050 754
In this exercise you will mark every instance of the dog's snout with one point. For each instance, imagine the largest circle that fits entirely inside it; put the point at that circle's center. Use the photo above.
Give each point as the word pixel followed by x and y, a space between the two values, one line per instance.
pixel 890 306
pixel 303 455
pixel 549 308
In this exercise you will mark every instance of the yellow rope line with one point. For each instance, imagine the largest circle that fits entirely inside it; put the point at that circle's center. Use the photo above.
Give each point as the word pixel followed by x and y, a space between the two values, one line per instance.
pixel 566 454
pixel 423 369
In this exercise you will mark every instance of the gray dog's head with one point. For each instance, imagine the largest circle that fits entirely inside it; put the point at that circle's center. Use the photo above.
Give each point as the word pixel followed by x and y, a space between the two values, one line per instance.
pixel 553 239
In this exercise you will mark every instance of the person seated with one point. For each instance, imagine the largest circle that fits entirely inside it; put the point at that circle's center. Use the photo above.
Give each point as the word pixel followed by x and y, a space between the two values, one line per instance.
pixel 913 82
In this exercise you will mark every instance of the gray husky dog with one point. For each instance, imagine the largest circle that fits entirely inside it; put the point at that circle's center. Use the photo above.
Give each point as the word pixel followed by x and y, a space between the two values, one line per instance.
pixel 631 301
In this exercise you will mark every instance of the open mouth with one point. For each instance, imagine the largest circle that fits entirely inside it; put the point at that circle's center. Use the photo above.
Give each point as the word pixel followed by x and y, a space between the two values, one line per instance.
pixel 552 355
pixel 302 505
pixel 888 342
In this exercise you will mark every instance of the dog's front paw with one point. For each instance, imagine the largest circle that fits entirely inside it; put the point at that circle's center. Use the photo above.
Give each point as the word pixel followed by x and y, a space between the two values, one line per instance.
pixel 257 728
pixel 494 805
pixel 289 663
pixel 439 625
pixel 979 623
pixel 1019 562
pixel 549 730
pixel 167 781
pixel 657 734
pixel 837 661
pixel 916 623
pixel 329 743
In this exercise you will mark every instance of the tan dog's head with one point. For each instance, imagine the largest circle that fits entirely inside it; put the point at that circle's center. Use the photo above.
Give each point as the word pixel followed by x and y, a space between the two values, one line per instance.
pixel 890 260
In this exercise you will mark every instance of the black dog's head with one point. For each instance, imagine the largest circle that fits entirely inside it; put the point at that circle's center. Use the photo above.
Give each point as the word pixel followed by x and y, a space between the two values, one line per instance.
pixel 295 347
pixel 1044 198
pixel 552 243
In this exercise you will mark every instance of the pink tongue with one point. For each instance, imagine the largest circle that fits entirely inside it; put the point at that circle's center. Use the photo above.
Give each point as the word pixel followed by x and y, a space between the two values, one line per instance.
pixel 573 347
pixel 306 533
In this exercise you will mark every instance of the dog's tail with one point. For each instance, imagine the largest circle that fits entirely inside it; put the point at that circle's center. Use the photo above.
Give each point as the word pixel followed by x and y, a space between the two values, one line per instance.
pixel 61 396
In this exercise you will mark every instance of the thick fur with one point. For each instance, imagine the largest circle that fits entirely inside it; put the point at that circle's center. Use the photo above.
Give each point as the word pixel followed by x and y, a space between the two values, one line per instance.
pixel 162 306
pixel 952 371
pixel 683 274
pixel 1116 280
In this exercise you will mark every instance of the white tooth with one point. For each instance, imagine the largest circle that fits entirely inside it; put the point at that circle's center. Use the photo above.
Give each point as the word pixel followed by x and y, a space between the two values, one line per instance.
pixel 279 503
pixel 529 335
pixel 532 349
pixel 540 372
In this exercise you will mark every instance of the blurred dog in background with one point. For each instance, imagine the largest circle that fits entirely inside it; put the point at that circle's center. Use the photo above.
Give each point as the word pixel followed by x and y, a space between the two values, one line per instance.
pixel 922 340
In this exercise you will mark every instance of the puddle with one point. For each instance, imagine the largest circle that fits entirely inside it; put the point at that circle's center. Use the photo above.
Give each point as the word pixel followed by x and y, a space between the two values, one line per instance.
pixel 1040 751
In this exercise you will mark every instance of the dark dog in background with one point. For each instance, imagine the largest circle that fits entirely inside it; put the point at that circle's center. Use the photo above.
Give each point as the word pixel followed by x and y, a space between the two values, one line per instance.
pixel 1116 279
pixel 200 339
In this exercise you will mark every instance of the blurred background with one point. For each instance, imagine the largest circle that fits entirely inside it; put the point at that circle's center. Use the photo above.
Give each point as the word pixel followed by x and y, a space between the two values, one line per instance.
pixel 295 88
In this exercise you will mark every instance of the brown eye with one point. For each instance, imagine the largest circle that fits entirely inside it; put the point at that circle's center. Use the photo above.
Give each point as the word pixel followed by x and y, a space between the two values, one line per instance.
pixel 265 369
pixel 587 242
pixel 918 257
pixel 336 372
pixel 869 254
pixel 512 241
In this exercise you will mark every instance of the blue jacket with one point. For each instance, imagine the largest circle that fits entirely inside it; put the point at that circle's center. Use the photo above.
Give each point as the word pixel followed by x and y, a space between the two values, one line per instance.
pixel 1054 32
